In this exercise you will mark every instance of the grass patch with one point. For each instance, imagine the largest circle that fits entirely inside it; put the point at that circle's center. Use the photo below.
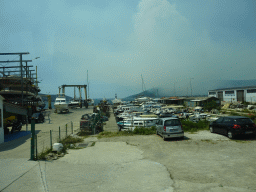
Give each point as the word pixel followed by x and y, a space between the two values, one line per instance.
pixel 144 131
pixel 137 131
pixel 240 141
pixel 42 155
pixel 66 144
pixel 208 141
pixel 93 143
pixel 84 134
pixel 189 126
pixel 114 134
pixel 68 141
pixel 232 113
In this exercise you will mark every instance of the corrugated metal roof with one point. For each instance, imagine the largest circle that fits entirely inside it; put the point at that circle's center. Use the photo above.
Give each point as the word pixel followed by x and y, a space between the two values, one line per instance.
pixel 245 87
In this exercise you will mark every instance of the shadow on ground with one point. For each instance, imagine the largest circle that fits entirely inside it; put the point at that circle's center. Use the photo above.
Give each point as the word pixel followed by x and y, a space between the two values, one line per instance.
pixel 16 139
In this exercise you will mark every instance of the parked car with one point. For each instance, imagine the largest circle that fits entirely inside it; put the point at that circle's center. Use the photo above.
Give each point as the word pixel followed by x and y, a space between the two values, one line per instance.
pixel 233 126
pixel 169 128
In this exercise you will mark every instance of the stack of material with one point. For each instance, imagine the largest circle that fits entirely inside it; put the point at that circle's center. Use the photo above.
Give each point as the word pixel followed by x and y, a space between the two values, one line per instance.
pixel 226 106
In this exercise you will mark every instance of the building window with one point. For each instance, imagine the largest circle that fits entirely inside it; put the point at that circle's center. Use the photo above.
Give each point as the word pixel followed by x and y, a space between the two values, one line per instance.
pixel 251 90
pixel 229 92
pixel 212 93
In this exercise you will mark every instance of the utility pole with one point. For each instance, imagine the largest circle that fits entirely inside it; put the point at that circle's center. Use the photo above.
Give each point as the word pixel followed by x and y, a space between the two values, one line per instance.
pixel 191 86
pixel 174 90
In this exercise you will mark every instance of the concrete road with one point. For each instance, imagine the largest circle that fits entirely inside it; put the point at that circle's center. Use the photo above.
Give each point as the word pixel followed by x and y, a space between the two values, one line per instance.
pixel 201 162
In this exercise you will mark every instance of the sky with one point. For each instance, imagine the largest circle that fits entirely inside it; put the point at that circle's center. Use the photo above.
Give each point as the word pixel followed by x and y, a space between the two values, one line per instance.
pixel 176 46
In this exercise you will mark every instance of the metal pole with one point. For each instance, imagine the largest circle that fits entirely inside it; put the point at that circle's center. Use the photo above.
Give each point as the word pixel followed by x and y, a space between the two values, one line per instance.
pixel 59 133
pixel 191 87
pixel 32 146
pixel 26 122
pixel 21 76
pixel 66 130
pixel 51 139
pixel 72 126
pixel 36 145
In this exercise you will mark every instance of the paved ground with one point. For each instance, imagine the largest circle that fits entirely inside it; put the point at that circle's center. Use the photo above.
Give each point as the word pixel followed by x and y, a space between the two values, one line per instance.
pixel 200 162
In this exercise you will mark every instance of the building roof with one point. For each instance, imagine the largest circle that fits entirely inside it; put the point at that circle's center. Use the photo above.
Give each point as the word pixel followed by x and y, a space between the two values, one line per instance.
pixel 245 87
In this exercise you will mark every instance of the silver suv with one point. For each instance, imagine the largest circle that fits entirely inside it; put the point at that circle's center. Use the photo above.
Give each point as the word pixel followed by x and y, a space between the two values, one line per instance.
pixel 169 128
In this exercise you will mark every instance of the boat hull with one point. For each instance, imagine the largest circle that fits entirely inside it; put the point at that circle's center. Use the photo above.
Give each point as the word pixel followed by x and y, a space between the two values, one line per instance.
pixel 61 107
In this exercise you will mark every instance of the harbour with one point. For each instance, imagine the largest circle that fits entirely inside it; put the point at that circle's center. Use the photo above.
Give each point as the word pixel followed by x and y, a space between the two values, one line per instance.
pixel 127 96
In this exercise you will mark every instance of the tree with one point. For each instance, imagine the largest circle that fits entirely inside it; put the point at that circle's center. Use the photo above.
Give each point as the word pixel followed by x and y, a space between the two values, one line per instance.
pixel 211 105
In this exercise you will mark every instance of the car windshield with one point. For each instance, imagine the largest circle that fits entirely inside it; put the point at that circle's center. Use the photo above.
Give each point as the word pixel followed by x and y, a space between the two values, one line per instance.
pixel 243 121
pixel 172 122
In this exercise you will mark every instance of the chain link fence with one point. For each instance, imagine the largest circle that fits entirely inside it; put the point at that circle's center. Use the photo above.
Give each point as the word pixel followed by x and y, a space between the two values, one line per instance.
pixel 44 140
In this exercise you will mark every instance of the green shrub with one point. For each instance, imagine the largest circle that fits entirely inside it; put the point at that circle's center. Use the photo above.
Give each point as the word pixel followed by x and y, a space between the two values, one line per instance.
pixel 144 131
pixel 251 116
pixel 42 155
pixel 190 126
pixel 67 141
pixel 232 113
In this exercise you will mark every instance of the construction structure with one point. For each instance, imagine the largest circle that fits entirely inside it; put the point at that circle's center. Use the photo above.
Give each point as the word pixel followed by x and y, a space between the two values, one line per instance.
pixel 19 88
pixel 62 87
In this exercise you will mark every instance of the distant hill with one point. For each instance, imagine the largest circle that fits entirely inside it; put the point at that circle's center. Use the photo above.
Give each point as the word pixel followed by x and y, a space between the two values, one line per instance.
pixel 235 83
pixel 200 89
pixel 53 97
pixel 148 93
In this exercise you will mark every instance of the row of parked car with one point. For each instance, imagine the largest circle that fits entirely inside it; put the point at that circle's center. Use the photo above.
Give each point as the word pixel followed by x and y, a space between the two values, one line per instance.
pixel 230 126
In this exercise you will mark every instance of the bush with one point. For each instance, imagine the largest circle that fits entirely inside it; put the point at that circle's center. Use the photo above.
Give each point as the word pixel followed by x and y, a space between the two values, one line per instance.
pixel 144 131
pixel 189 126
pixel 69 140
pixel 251 116
pixel 211 105
pixel 234 114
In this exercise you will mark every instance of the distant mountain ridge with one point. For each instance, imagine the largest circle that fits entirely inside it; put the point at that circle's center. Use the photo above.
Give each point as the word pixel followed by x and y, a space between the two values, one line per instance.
pixel 235 83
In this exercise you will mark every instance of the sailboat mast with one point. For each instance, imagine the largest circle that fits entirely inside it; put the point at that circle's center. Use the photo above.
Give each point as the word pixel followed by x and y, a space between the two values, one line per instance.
pixel 74 94
pixel 88 85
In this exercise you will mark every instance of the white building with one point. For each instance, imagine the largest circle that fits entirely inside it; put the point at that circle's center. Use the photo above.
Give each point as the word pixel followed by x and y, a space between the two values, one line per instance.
pixel 240 94
pixel 1 120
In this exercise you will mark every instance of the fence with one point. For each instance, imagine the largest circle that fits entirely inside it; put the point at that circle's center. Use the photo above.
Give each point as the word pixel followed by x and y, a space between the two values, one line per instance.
pixel 45 139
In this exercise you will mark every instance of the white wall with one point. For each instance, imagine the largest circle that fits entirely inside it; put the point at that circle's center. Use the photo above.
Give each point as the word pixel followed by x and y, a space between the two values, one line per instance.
pixel 2 123
pixel 229 97
pixel 250 97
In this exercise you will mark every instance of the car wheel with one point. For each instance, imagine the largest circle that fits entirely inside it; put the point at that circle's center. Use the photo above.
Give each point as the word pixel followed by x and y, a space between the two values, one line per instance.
pixel 211 129
pixel 230 135
pixel 164 138
pixel 156 132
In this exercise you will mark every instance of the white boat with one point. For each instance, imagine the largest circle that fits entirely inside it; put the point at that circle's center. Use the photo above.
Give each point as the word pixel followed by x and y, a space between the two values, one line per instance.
pixel 132 123
pixel 90 102
pixel 61 104
pixel 73 103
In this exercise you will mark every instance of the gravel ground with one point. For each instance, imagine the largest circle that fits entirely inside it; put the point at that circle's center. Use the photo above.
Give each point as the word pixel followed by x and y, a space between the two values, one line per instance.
pixel 202 161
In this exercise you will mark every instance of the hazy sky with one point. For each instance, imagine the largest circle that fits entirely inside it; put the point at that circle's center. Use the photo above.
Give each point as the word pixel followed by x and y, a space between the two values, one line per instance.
pixel 167 41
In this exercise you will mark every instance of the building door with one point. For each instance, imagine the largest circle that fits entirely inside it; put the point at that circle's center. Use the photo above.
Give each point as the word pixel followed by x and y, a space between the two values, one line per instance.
pixel 240 95
pixel 220 95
